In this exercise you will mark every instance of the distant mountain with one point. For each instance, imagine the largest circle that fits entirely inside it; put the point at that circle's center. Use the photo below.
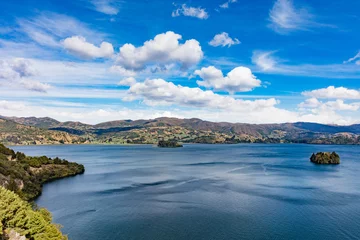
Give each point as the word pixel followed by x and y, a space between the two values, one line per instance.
pixel 45 122
pixel 14 133
pixel 195 130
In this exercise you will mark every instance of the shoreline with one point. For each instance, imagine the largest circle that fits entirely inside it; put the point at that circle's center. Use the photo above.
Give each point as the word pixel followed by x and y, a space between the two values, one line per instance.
pixel 147 144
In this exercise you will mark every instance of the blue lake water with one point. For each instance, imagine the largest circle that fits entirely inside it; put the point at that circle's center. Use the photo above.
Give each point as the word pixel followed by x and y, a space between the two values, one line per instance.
pixel 204 192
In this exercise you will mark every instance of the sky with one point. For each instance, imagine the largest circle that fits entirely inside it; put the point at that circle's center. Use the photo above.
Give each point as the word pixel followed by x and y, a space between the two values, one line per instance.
pixel 258 61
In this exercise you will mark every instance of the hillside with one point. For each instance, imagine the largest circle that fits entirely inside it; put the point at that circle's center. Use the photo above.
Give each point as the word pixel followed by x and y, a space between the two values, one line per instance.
pixel 16 133
pixel 189 130
pixel 25 175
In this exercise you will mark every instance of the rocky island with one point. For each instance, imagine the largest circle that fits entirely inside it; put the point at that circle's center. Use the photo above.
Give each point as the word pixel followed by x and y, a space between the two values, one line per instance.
pixel 169 144
pixel 325 158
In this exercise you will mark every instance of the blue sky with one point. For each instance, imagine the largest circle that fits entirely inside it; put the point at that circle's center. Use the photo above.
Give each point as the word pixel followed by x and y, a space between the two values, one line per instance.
pixel 265 61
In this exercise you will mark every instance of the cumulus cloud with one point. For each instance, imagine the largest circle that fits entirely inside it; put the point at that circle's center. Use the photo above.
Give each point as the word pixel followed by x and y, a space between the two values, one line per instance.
pixel 239 79
pixel 122 71
pixel 11 105
pixel 184 10
pixel 223 39
pixel 16 68
pixel 109 7
pixel 15 73
pixel 310 103
pixel 129 81
pixel 160 92
pixel 78 46
pixel 333 92
pixel 285 17
pixel 338 105
pixel 164 49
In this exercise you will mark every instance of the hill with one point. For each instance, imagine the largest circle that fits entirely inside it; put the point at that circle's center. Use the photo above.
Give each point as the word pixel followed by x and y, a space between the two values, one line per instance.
pixel 12 132
pixel 195 130
pixel 25 175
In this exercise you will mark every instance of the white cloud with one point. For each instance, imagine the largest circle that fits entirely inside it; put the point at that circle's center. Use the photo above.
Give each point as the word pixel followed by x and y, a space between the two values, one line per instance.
pixel 239 79
pixel 15 73
pixel 317 106
pixel 223 39
pixel 190 12
pixel 226 4
pixel 268 63
pixel 94 113
pixel 41 37
pixel 47 29
pixel 310 103
pixel 129 81
pixel 163 49
pixel 16 68
pixel 78 46
pixel 264 60
pixel 122 71
pixel 333 92
pixel 357 56
pixel 109 7
pixel 160 92
pixel 23 50
pixel 35 85
pixel 285 17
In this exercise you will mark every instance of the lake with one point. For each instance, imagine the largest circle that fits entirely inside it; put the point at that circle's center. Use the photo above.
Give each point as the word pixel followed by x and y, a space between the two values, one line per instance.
pixel 244 191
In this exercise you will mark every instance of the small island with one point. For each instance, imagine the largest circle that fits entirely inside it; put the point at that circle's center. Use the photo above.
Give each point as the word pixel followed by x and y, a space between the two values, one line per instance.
pixel 325 158
pixel 169 144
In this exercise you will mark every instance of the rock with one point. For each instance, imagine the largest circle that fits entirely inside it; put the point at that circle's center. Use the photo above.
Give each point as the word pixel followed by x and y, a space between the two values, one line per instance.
pixel 325 158
pixel 15 236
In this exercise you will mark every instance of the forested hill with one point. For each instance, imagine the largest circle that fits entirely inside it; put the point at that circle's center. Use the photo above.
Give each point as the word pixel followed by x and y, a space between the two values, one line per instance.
pixel 25 175
pixel 21 180
pixel 190 130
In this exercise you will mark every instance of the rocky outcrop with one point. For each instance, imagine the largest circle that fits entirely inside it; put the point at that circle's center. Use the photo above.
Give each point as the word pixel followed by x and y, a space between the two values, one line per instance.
pixel 325 158
pixel 12 235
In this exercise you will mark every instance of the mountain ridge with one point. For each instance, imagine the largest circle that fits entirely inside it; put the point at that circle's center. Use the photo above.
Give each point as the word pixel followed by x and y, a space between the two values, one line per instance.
pixel 196 130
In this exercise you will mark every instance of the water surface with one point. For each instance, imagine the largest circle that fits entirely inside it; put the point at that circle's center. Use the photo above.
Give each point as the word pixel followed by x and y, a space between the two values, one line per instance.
pixel 204 192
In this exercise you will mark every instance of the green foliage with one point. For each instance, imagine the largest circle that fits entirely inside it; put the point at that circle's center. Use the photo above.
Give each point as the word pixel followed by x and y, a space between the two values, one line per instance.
pixel 325 158
pixel 6 151
pixel 34 171
pixel 18 215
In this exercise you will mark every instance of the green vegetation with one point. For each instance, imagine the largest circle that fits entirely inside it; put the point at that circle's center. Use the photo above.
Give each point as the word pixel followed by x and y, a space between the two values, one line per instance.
pixel 169 144
pixel 18 215
pixel 49 131
pixel 325 158
pixel 25 175
pixel 13 133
